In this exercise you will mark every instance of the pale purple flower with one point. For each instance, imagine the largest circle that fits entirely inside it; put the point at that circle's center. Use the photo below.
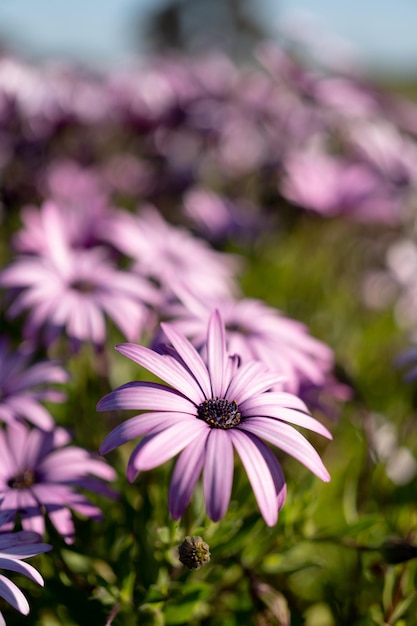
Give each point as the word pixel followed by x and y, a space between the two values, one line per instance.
pixel 212 408
pixel 401 260
pixel 219 218
pixel 14 547
pixel 77 223
pixel 24 386
pixel 255 331
pixel 69 292
pixel 40 474
pixel 398 460
pixel 172 256
pixel 391 152
pixel 334 186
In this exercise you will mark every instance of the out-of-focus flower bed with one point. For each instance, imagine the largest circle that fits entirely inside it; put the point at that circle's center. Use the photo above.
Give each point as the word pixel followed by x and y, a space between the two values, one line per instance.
pixel 246 237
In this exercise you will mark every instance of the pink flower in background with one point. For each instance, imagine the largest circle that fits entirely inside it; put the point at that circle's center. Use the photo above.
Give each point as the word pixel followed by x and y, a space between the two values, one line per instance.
pixel 257 332
pixel 210 409
pixel 390 152
pixel 40 474
pixel 219 218
pixel 78 224
pixel 172 256
pixel 334 186
pixel 69 293
pixel 14 547
pixel 24 386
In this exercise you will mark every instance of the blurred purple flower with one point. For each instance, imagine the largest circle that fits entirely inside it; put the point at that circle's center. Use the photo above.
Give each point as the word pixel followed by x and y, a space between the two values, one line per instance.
pixel 39 476
pixel 69 291
pixel 172 256
pixel 23 386
pixel 14 547
pixel 212 408
pixel 392 153
pixel 256 332
pixel 77 223
pixel 333 186
pixel 401 260
pixel 219 218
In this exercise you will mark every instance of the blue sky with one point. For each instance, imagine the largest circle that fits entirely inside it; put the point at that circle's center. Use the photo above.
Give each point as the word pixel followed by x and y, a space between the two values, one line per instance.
pixel 99 31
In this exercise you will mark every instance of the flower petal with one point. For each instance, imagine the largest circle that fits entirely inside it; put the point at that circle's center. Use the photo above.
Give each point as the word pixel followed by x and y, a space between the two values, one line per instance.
pixel 14 565
pixel 156 449
pixel 265 406
pixel 165 368
pixel 144 396
pixel 289 440
pixel 251 379
pixel 216 354
pixel 138 426
pixel 191 358
pixel 218 473
pixel 275 398
pixel 251 451
pixel 12 594
pixel 185 475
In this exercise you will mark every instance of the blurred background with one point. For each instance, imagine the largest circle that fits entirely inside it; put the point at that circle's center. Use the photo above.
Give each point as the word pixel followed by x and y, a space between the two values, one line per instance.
pixel 378 35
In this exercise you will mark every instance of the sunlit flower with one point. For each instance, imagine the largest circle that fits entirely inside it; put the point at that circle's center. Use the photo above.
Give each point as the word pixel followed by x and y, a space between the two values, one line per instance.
pixel 211 409
pixel 336 186
pixel 40 475
pixel 14 547
pixel 172 256
pixel 23 386
pixel 255 331
pixel 71 292
pixel 219 218
pixel 77 223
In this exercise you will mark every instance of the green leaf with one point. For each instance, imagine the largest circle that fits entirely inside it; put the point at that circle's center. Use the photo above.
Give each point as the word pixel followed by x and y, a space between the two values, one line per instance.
pixel 403 606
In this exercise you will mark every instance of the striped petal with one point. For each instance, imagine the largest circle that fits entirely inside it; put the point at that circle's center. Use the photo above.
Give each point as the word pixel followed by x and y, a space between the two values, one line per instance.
pixel 166 368
pixel 12 594
pixel 191 358
pixel 263 407
pixel 289 440
pixel 156 449
pixel 218 473
pixel 258 470
pixel 185 476
pixel 216 354
pixel 251 379
pixel 144 396
pixel 138 426
pixel 21 567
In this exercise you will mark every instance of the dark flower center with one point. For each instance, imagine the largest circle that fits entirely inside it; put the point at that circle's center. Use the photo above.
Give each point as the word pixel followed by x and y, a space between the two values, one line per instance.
pixel 219 413
pixel 83 285
pixel 23 480
pixel 235 327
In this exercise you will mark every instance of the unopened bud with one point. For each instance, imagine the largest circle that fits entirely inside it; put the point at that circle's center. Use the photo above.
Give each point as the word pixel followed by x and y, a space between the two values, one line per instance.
pixel 194 552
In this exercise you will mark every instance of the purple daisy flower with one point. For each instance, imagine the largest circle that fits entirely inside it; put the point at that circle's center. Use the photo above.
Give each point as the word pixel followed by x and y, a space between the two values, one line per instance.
pixel 15 546
pixel 23 386
pixel 257 332
pixel 211 409
pixel 38 474
pixel 335 186
pixel 77 223
pixel 172 256
pixel 73 292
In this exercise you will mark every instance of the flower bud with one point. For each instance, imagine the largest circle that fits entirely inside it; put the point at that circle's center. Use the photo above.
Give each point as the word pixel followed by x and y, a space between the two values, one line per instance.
pixel 194 552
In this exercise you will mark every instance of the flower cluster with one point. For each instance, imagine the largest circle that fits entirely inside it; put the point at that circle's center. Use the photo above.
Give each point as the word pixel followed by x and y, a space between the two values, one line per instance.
pixel 132 202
